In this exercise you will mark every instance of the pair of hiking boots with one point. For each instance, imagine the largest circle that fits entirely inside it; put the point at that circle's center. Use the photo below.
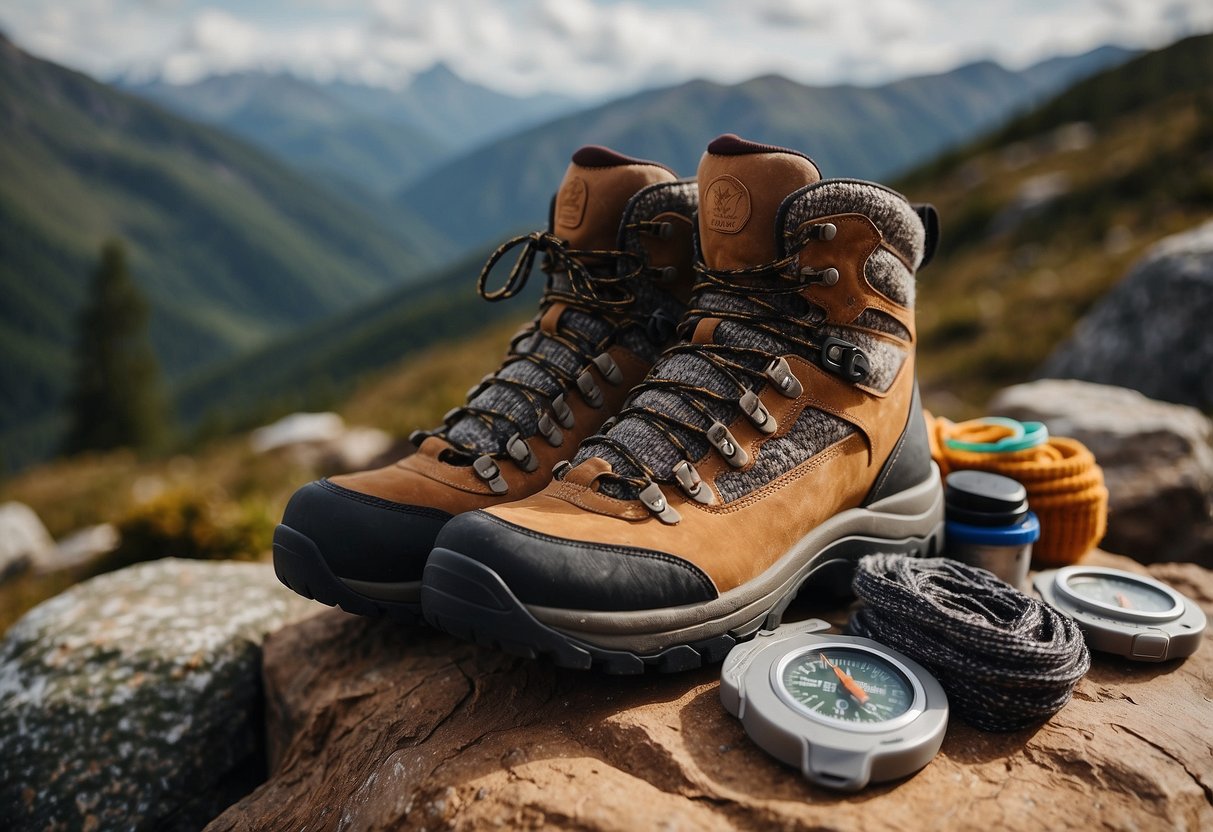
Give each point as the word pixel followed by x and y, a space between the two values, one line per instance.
pixel 715 403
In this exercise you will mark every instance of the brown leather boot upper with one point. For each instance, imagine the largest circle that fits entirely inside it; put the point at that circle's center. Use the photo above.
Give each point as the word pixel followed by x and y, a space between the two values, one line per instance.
pixel 783 407
pixel 619 256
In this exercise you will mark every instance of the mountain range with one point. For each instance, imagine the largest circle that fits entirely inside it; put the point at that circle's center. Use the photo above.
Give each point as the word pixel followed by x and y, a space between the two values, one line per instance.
pixel 230 245
pixel 1005 287
pixel 375 138
pixel 864 132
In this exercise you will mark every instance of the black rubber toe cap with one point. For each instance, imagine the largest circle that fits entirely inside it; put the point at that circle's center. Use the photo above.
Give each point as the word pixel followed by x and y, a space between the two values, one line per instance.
pixel 571 574
pixel 365 538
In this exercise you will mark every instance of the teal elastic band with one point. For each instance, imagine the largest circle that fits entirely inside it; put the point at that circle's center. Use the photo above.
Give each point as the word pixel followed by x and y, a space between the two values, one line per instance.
pixel 1024 436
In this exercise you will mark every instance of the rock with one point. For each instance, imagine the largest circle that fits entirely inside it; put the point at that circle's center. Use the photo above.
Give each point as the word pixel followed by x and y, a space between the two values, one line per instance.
pixel 297 429
pixel 132 700
pixel 23 538
pixel 1151 332
pixel 1030 198
pixel 78 548
pixel 1157 459
pixel 322 441
pixel 375 726
pixel 355 450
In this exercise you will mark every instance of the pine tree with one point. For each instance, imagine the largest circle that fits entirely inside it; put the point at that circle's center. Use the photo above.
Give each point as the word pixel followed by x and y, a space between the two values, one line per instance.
pixel 115 399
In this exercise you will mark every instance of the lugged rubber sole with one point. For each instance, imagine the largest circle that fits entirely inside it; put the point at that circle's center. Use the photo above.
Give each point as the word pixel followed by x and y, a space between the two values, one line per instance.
pixel 468 599
pixel 302 569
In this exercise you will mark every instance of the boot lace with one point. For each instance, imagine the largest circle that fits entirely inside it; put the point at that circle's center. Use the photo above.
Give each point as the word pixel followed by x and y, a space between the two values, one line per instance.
pixel 762 304
pixel 600 283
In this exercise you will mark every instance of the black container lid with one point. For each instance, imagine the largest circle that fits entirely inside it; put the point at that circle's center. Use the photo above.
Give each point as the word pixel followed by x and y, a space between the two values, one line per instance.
pixel 980 498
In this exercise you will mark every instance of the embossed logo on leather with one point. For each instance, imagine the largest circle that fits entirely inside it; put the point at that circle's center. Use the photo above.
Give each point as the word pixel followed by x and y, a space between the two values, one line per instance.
pixel 726 204
pixel 570 204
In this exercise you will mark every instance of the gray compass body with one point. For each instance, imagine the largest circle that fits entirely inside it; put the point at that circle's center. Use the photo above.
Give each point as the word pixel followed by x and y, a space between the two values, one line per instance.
pixel 1119 612
pixel 846 711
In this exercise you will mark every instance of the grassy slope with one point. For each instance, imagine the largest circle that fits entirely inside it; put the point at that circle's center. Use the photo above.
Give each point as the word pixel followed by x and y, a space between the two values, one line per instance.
pixel 1004 292
pixel 319 365
pixel 230 246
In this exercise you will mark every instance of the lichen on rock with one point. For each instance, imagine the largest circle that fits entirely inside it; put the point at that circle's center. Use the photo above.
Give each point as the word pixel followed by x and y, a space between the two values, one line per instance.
pixel 133 700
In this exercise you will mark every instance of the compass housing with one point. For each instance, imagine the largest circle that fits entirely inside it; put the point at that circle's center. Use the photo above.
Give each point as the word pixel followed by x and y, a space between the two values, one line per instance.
pixel 836 753
pixel 1173 630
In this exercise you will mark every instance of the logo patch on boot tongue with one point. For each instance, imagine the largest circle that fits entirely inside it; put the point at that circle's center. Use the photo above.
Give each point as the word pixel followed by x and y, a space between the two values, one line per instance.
pixel 726 204
pixel 570 204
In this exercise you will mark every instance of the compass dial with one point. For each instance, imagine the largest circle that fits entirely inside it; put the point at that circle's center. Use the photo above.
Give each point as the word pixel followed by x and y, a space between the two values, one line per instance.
pixel 1122 593
pixel 845 684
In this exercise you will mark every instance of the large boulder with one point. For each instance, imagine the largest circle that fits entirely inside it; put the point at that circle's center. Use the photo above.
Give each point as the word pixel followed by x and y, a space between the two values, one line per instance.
pixel 1157 459
pixel 133 701
pixel 377 726
pixel 23 538
pixel 1151 332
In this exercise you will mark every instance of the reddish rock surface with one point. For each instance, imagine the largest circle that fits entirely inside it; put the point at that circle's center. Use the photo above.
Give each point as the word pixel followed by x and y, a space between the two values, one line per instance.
pixel 372 726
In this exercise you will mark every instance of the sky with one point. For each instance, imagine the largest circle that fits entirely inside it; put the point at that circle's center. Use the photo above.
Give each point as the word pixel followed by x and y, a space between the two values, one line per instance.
pixel 584 48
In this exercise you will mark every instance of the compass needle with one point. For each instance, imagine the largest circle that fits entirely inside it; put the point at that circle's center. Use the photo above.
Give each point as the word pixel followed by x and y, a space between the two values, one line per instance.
pixel 848 682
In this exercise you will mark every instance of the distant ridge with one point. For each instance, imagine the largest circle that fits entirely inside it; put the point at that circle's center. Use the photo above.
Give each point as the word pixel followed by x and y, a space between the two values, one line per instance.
pixel 866 132
pixel 375 138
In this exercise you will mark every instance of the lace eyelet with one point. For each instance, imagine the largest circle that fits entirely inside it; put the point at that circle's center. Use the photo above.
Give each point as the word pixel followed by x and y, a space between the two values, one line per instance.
pixel 609 369
pixel 549 430
pixel 520 451
pixel 827 276
pixel 781 376
pixel 823 231
pixel 723 441
pixel 488 470
pixel 655 501
pixel 589 389
pixel 757 413
pixel 845 359
pixel 562 412
pixel 692 484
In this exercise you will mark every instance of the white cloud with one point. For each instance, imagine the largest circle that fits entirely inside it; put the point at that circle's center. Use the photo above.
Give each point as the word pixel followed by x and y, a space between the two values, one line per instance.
pixel 585 47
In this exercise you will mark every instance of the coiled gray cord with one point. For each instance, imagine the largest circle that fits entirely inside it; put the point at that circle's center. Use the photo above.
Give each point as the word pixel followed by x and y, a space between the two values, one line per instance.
pixel 1006 660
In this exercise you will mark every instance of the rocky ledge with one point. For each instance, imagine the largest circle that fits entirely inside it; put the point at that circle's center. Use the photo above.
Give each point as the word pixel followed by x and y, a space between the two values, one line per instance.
pixel 374 726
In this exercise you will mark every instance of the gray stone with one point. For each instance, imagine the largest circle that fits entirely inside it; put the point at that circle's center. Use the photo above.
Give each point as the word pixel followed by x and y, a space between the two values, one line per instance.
pixel 1157 459
pixel 78 548
pixel 23 538
pixel 297 429
pixel 133 700
pixel 1152 331
pixel 356 449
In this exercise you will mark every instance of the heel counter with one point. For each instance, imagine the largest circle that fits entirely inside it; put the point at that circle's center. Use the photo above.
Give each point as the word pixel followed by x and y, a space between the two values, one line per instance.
pixel 910 462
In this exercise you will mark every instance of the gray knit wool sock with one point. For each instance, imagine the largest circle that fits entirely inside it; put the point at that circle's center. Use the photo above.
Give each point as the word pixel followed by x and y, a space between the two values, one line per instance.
pixel 488 434
pixel 814 430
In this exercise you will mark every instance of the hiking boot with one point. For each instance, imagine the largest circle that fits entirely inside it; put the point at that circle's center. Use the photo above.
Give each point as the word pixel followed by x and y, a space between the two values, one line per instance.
pixel 779 441
pixel 619 257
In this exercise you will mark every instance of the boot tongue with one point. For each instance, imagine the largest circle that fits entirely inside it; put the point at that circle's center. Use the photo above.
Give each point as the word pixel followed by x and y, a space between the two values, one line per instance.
pixel 596 188
pixel 741 186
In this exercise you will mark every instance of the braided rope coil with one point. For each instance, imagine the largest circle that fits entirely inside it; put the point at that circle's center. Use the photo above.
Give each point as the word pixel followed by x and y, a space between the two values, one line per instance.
pixel 1006 660
pixel 1065 485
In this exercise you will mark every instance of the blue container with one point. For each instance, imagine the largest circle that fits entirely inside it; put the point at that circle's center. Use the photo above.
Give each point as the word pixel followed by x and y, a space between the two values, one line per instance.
pixel 989 524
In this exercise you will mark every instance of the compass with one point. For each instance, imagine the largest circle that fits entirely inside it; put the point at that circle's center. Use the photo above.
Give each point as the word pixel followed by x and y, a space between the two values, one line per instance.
pixel 1119 612
pixel 847 711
